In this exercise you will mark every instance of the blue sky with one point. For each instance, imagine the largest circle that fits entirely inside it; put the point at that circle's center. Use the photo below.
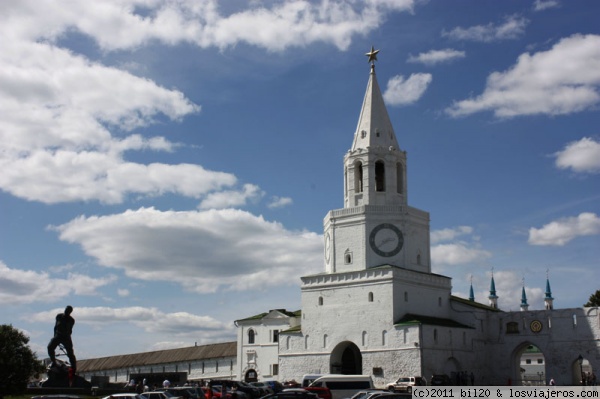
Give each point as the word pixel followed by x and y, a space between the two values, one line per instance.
pixel 167 165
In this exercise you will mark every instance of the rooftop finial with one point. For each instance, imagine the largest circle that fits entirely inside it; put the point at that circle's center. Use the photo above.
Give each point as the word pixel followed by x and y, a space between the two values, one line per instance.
pixel 372 56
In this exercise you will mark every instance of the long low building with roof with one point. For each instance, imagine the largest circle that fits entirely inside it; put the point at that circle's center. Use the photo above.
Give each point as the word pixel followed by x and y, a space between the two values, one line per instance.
pixel 195 363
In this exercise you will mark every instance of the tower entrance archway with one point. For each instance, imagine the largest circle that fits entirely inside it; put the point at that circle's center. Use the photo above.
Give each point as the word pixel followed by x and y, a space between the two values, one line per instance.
pixel 346 359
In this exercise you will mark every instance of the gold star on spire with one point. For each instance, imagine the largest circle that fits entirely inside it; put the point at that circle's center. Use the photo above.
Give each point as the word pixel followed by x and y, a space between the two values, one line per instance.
pixel 372 55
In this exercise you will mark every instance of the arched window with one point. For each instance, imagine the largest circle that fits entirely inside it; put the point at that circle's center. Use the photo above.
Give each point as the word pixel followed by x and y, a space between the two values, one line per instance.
pixel 364 338
pixel 370 297
pixel 379 176
pixel 419 259
pixel 306 342
pixel 440 301
pixel 399 178
pixel 320 301
pixel 383 337
pixel 405 296
pixel 348 257
pixel 251 335
pixel 435 337
pixel 358 177
pixel 325 341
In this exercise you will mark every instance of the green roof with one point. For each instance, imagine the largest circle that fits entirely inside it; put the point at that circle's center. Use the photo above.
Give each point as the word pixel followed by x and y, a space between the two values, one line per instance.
pixel 474 304
pixel 415 319
pixel 259 316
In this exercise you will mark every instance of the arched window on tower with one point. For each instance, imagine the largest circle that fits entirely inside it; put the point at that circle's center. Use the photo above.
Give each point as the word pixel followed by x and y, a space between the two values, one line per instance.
pixel 399 178
pixel 379 176
pixel 251 335
pixel 358 177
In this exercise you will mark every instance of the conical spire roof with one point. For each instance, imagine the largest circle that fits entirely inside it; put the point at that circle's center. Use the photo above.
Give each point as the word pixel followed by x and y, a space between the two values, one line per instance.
pixel 374 127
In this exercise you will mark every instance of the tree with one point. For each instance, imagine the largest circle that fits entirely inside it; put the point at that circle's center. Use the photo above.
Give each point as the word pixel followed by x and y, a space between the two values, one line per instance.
pixel 18 363
pixel 594 299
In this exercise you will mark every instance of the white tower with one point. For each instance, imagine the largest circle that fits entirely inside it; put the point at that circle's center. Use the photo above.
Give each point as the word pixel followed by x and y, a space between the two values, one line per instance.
pixel 376 226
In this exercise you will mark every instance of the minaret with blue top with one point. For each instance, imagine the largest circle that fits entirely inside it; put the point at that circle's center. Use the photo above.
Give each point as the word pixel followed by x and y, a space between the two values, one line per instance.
pixel 471 294
pixel 524 304
pixel 493 297
pixel 548 300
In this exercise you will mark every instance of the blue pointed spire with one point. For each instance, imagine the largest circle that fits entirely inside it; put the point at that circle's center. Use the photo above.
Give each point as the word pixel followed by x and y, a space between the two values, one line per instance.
pixel 492 289
pixel 471 294
pixel 523 297
pixel 548 290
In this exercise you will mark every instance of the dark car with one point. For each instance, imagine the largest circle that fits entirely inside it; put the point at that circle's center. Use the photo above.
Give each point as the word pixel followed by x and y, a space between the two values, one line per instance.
pixel 439 380
pixel 252 391
pixel 292 393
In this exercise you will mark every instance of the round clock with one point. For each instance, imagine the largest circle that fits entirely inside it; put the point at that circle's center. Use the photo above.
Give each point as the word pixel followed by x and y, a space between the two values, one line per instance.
pixel 386 240
pixel 536 326
pixel 327 247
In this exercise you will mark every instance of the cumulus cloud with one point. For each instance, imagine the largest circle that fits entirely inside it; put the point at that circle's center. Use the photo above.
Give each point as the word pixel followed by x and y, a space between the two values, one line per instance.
pixel 434 57
pixel 273 25
pixel 558 81
pixel 457 254
pixel 402 91
pixel 509 285
pixel 456 246
pixel 229 199
pixel 512 28
pixel 279 202
pixel 449 234
pixel 581 156
pixel 562 231
pixel 151 320
pixel 541 5
pixel 202 251
pixel 28 286
pixel 62 115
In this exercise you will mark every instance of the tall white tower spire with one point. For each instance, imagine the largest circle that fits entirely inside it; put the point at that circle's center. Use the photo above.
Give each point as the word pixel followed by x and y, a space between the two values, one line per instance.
pixel 376 226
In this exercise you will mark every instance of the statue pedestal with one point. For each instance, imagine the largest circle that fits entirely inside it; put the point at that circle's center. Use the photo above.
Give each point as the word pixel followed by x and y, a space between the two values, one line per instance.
pixel 58 377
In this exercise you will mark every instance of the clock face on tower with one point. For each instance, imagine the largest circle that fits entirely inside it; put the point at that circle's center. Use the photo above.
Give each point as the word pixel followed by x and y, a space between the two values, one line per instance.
pixel 386 240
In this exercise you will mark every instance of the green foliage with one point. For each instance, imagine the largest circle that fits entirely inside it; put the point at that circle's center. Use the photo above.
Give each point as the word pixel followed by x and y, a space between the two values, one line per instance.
pixel 594 299
pixel 18 363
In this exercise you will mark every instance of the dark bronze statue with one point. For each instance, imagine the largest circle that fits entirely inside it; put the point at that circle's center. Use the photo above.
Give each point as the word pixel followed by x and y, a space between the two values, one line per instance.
pixel 63 328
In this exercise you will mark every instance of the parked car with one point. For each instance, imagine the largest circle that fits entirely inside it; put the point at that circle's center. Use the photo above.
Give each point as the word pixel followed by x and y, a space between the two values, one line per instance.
pixel 440 379
pixel 159 395
pixel 292 393
pixel 265 388
pixel 184 392
pixel 128 395
pixel 405 384
pixel 369 394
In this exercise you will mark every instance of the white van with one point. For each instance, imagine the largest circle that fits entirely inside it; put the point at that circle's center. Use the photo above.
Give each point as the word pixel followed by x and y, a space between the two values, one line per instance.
pixel 308 379
pixel 342 385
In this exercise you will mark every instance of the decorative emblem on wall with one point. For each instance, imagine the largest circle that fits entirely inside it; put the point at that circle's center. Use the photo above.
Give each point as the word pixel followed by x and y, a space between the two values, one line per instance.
pixel 536 326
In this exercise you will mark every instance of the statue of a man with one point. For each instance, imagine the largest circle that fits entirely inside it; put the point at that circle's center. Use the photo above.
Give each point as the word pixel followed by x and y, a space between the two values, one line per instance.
pixel 62 335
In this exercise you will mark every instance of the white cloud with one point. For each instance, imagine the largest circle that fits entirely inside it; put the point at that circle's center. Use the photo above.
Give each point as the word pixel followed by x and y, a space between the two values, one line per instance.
pixel 558 81
pixel 512 28
pixel 274 26
pixel 403 92
pixel 28 286
pixel 437 56
pixel 580 156
pixel 541 5
pixel 151 320
pixel 230 199
pixel 202 251
pixel 509 285
pixel 449 233
pixel 457 254
pixel 279 202
pixel 560 232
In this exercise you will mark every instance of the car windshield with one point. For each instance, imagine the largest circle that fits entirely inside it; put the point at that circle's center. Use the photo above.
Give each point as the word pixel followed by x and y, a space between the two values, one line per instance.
pixel 403 379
